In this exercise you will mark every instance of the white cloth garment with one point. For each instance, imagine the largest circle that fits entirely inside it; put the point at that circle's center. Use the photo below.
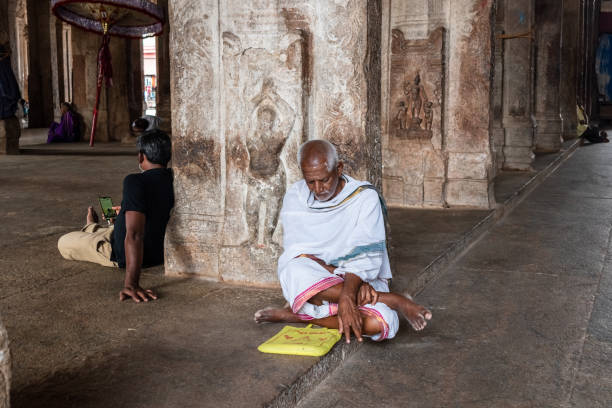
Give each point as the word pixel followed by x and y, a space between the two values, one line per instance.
pixel 348 232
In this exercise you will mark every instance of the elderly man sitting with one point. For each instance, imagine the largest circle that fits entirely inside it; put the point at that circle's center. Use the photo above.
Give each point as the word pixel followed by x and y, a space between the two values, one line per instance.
pixel 335 259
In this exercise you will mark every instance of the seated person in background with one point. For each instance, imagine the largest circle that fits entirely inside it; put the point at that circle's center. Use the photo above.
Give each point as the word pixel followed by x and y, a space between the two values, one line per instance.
pixel 589 131
pixel 137 237
pixel 67 130
pixel 154 121
pixel 139 126
pixel 335 258
pixel 145 124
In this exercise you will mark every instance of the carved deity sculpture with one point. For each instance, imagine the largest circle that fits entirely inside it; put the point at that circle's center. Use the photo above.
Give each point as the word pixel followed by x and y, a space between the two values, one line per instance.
pixel 428 110
pixel 271 122
pixel 416 94
pixel 402 115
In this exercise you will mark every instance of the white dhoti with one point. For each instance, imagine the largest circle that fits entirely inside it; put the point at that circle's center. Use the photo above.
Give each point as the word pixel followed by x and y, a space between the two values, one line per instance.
pixel 347 232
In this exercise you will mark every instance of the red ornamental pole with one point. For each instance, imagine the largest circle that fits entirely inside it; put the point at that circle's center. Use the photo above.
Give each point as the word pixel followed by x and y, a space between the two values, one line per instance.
pixel 105 73
pixel 95 116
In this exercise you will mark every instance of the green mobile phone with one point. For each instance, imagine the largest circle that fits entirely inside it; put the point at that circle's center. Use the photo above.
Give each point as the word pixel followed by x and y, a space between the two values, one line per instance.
pixel 107 207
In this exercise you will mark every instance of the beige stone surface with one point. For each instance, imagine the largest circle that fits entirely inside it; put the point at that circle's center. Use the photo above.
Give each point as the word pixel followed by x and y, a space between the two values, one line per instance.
pixel 468 193
pixel 468 166
pixel 5 369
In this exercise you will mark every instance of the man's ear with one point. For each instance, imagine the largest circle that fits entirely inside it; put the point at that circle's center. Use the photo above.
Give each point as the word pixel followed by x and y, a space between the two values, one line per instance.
pixel 141 157
pixel 339 168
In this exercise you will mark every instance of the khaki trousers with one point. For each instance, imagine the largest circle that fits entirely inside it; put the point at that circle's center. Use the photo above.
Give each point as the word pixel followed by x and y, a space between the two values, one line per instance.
pixel 90 244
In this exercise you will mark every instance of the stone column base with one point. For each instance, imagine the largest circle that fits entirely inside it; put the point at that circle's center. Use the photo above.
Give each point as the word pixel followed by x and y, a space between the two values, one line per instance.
pixel 10 131
pixel 569 124
pixel 518 158
pixel 5 369
pixel 548 135
pixel 518 148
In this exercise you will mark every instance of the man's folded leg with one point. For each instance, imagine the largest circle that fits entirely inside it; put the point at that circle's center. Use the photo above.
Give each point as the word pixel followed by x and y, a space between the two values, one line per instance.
pixel 91 244
pixel 303 278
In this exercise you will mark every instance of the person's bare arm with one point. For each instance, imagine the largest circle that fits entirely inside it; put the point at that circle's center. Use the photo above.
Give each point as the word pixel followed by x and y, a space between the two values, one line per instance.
pixel 134 249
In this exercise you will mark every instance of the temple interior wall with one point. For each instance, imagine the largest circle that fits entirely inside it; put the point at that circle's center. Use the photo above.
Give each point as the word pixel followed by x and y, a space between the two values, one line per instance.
pixel 428 100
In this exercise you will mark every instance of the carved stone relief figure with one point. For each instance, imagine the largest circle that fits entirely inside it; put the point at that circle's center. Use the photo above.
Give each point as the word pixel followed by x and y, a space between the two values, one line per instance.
pixel 414 164
pixel 271 122
pixel 417 94
pixel 402 115
pixel 428 115
pixel 258 123
pixel 416 73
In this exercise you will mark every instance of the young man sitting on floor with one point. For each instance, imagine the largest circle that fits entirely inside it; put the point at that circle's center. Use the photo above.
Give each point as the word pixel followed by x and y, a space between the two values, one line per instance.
pixel 137 237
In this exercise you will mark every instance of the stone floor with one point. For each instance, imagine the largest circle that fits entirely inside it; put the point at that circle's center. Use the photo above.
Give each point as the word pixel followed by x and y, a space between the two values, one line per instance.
pixel 75 345
pixel 522 320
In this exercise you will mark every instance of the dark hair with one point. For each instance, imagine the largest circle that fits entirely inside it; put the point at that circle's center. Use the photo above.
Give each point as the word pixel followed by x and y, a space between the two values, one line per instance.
pixel 140 123
pixel 156 146
pixel 67 105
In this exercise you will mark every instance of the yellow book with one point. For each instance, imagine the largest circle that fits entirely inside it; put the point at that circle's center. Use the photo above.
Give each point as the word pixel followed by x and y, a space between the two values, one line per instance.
pixel 301 341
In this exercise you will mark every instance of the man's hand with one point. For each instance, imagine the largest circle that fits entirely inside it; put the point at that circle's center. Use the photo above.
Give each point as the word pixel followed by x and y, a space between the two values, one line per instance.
pixel 137 294
pixel 367 295
pixel 349 317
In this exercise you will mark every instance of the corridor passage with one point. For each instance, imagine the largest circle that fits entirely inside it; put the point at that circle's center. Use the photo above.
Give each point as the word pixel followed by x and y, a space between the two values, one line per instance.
pixel 522 320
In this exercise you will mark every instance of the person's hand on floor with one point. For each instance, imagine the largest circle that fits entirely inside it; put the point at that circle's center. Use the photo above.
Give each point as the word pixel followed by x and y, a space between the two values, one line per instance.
pixel 137 294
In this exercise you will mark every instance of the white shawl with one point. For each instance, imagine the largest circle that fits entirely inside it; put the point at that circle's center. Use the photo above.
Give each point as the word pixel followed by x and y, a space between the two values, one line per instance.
pixel 347 231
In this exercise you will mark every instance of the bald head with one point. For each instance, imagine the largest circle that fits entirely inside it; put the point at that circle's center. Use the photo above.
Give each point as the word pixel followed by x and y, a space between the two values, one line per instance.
pixel 321 169
pixel 316 152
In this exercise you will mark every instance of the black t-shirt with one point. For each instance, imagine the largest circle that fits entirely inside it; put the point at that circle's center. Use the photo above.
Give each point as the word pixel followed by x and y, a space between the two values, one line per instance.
pixel 150 193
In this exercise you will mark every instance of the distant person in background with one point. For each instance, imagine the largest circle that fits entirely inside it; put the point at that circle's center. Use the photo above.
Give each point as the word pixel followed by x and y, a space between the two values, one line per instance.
pixel 145 123
pixel 22 113
pixel 9 89
pixel 154 122
pixel 67 130
pixel 139 126
pixel 589 131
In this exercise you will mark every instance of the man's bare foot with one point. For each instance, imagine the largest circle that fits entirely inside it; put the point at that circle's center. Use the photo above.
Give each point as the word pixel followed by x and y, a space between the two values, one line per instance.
pixel 416 314
pixel 92 217
pixel 275 315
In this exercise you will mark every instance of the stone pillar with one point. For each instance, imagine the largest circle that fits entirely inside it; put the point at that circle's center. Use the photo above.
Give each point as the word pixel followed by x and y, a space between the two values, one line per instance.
pixel 135 79
pixel 4 21
pixel 469 95
pixel 518 86
pixel 548 15
pixel 5 369
pixel 41 55
pixel 414 95
pixel 342 88
pixel 113 110
pixel 266 78
pixel 497 99
pixel 10 131
pixel 194 233
pixel 9 140
pixel 57 70
pixel 569 61
pixel 163 73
